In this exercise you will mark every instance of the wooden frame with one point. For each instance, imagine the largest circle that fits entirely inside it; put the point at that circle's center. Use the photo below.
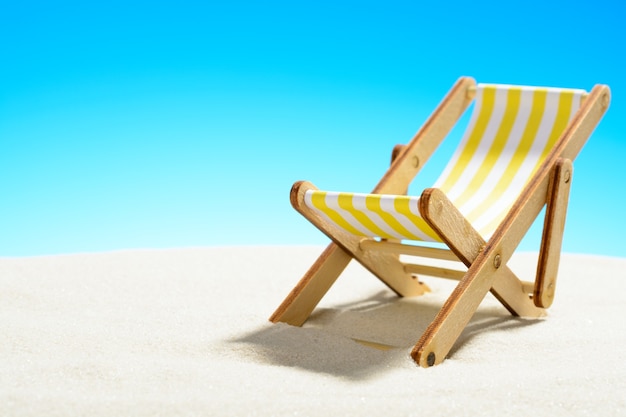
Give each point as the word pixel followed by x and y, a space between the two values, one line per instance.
pixel 485 260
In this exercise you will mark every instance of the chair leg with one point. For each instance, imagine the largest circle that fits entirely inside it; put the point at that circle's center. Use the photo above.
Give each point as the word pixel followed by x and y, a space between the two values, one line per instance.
pixel 467 244
pixel 487 271
pixel 386 266
pixel 554 224
pixel 440 336
pixel 301 301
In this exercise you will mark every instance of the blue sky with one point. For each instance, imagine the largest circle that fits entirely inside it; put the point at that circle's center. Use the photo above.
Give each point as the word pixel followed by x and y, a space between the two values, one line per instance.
pixel 176 124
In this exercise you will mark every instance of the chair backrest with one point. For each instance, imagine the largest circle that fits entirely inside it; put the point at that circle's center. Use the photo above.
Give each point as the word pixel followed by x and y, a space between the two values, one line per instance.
pixel 511 131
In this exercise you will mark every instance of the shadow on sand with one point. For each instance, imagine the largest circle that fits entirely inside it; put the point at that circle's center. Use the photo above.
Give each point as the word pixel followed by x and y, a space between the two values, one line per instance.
pixel 360 339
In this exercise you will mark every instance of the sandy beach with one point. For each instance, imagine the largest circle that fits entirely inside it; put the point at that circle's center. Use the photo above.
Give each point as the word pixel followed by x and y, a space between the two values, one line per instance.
pixel 186 332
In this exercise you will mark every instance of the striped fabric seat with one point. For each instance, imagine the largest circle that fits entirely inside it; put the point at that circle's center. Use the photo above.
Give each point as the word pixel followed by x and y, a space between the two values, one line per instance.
pixel 511 131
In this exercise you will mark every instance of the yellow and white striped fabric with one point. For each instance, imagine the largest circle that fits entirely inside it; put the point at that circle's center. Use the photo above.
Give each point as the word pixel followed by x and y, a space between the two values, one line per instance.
pixel 511 131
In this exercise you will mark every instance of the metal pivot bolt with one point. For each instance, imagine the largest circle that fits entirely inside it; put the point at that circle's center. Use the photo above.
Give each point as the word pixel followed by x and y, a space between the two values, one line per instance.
pixel 497 261
pixel 430 360
pixel 567 175
pixel 415 161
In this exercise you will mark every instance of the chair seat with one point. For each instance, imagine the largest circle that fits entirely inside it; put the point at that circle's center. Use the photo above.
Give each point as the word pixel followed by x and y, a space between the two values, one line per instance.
pixel 385 216
pixel 373 215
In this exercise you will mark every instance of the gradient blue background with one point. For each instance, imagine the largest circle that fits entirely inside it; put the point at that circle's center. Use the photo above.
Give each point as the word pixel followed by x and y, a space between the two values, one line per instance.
pixel 176 124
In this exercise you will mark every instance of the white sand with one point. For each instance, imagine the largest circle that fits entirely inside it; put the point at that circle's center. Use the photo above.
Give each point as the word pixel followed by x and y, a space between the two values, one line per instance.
pixel 185 332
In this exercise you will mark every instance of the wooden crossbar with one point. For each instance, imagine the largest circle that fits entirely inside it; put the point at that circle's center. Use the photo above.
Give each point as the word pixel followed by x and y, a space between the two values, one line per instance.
pixel 453 274
pixel 403 249
pixel 434 271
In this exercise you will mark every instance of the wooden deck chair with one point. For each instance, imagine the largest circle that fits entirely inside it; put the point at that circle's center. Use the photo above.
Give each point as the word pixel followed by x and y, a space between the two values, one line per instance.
pixel 514 158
